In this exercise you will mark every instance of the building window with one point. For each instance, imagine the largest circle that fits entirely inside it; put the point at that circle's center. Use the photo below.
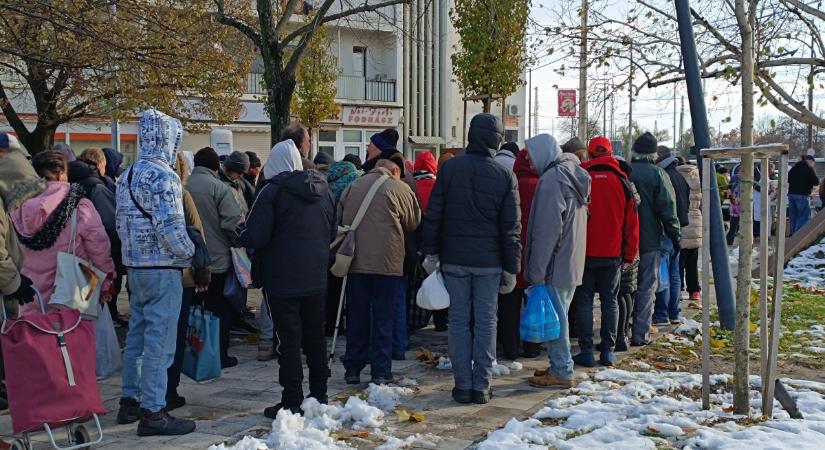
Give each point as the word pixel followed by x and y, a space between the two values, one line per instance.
pixel 359 61
pixel 352 136
pixel 454 131
pixel 326 136
pixel 510 135
pixel 352 150
pixel 328 149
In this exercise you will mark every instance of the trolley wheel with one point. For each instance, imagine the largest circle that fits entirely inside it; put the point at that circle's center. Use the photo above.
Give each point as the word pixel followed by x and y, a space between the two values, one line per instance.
pixel 81 435
pixel 19 444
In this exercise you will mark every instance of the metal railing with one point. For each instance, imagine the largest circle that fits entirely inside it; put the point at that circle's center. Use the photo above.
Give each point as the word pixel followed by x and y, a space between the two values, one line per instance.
pixel 354 87
pixel 253 83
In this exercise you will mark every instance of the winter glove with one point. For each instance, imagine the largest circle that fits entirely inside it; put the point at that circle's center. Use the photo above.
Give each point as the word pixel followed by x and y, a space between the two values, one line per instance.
pixel 202 276
pixel 24 294
pixel 508 283
pixel 431 263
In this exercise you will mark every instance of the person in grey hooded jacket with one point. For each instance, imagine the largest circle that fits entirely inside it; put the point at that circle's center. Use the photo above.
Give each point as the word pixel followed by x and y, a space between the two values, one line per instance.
pixel 556 243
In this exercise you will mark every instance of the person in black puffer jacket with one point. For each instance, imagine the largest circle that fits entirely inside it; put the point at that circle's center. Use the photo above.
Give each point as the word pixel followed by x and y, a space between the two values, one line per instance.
pixel 629 280
pixel 473 227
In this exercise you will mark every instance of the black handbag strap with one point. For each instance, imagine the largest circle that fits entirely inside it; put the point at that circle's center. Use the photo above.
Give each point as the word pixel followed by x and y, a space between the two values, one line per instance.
pixel 134 200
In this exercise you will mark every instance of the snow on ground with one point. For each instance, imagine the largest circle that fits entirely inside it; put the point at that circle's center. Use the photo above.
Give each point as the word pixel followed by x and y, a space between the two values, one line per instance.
pixel 808 267
pixel 617 409
pixel 312 430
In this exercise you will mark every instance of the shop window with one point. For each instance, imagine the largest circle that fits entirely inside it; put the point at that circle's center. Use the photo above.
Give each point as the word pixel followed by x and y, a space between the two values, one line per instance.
pixel 328 149
pixel 352 150
pixel 352 136
pixel 326 136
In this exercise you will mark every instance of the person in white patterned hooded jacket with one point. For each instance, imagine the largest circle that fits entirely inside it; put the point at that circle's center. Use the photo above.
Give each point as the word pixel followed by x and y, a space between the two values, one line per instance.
pixel 156 247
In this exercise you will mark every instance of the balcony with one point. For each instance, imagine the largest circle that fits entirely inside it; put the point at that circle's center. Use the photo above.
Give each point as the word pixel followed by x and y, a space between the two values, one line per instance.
pixel 253 83
pixel 354 87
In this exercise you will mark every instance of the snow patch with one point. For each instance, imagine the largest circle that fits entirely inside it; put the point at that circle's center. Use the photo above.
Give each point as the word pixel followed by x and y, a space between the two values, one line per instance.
pixel 444 363
pixel 499 369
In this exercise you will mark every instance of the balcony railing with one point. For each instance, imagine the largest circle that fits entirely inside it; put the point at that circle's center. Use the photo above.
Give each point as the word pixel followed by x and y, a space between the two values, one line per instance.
pixel 349 87
pixel 354 87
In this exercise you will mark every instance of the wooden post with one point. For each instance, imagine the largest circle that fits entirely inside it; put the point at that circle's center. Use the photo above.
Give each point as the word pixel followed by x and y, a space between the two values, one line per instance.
pixel 765 230
pixel 707 169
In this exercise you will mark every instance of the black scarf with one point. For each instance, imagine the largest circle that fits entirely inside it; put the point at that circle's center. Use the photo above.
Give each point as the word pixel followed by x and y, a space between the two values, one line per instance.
pixel 46 236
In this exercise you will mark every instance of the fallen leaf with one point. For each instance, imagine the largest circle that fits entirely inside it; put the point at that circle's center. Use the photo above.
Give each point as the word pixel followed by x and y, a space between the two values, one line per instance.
pixel 416 417
pixel 753 327
pixel 403 415
pixel 728 409
pixel 362 434
pixel 717 343
pixel 689 430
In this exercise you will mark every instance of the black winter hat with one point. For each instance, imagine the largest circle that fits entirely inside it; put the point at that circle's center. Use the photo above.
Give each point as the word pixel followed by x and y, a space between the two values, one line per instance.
pixel 237 162
pixel 385 140
pixel 354 159
pixel 254 160
pixel 645 144
pixel 323 159
pixel 208 157
pixel 512 147
pixel 573 145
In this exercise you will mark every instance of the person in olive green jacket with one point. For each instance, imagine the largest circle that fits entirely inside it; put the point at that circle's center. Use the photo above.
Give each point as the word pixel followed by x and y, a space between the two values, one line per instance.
pixel 657 217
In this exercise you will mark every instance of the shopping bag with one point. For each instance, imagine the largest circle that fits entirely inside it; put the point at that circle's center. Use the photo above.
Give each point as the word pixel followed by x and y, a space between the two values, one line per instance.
pixel 663 281
pixel 77 283
pixel 433 294
pixel 234 293
pixel 107 356
pixel 243 266
pixel 201 357
pixel 539 322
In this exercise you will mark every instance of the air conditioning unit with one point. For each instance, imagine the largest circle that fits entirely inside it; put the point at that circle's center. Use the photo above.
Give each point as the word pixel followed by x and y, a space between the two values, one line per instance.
pixel 512 110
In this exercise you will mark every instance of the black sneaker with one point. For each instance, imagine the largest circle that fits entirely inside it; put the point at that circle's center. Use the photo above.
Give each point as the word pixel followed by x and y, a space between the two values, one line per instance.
pixel 162 424
pixel 352 376
pixel 272 411
pixel 482 397
pixel 230 361
pixel 129 411
pixel 175 402
pixel 463 395
pixel 399 356
pixel 382 380
pixel 621 344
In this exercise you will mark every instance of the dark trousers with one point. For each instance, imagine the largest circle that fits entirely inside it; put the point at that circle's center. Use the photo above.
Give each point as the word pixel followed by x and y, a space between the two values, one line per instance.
pixel 625 300
pixel 601 275
pixel 173 372
pixel 734 228
pixel 220 307
pixel 299 324
pixel 689 261
pixel 441 317
pixel 371 301
pixel 509 319
pixel 334 285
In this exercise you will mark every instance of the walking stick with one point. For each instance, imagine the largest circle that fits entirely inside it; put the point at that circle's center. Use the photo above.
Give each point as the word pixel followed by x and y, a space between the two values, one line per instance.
pixel 337 324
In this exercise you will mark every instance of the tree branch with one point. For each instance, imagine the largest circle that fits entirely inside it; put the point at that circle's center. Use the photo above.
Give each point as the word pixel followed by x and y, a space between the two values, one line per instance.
pixel 284 20
pixel 712 30
pixel 798 112
pixel 807 8
pixel 238 24
pixel 363 8
pixel 11 115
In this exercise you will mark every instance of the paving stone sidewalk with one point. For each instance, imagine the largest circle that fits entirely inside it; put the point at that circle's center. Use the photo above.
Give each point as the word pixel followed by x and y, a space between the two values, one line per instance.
pixel 232 406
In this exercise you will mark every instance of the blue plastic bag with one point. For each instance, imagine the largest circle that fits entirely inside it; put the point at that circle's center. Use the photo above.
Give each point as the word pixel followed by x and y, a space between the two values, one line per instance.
pixel 201 357
pixel 539 322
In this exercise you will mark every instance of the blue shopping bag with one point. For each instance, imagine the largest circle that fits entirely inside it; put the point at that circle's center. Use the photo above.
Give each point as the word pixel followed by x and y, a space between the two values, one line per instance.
pixel 201 357
pixel 539 322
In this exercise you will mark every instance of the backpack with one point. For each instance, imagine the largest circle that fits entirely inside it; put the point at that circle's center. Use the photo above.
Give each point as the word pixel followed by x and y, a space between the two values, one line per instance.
pixel 345 240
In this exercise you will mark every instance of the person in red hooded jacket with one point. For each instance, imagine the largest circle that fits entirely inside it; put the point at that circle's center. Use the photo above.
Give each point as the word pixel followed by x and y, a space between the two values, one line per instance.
pixel 425 170
pixel 612 242
pixel 509 305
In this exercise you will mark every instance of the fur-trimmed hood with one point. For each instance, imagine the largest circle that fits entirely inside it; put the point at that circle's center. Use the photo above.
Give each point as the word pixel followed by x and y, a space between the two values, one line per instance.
pixel 18 180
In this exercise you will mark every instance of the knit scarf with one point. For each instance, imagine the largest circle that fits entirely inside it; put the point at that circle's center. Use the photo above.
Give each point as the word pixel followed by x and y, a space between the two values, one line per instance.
pixel 46 236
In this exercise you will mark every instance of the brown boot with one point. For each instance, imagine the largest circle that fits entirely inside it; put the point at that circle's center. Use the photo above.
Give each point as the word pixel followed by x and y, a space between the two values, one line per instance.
pixel 549 381
pixel 541 372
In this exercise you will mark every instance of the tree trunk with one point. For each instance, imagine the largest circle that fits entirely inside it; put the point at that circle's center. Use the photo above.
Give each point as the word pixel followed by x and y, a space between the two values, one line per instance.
pixel 486 104
pixel 38 140
pixel 279 89
pixel 741 371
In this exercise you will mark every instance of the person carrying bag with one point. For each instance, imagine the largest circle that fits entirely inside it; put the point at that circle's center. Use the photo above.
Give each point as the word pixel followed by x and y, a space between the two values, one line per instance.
pixel 345 241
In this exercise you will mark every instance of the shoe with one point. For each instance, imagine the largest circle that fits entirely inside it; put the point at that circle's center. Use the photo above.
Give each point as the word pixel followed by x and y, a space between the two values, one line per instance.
pixel 162 424
pixel 585 360
pixel 621 344
pixel 230 361
pixel 482 397
pixel 653 330
pixel 659 322
pixel 129 411
pixel 382 380
pixel 352 376
pixel 676 321
pixel 265 352
pixel 607 359
pixel 441 328
pixel 549 381
pixel 272 411
pixel 696 295
pixel 322 399
pixel 463 395
pixel 399 356
pixel 175 402
pixel 541 372
pixel 638 343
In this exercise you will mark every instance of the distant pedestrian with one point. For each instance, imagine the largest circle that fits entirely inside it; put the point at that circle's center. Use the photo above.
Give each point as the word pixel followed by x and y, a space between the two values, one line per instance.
pixel 425 176
pixel 254 170
pixel 114 159
pixel 380 142
pixel 156 247
pixel 612 242
pixel 692 233
pixel 802 180
pixel 576 146
pixel 668 295
pixel 556 243
pixel 472 230
pixel 376 274
pixel 232 174
pixel 657 218
pixel 506 155
pixel 220 214
pixel 295 215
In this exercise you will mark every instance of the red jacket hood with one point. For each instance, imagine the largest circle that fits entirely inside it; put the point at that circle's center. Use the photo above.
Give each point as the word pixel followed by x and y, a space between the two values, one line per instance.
pixel 425 161
pixel 522 167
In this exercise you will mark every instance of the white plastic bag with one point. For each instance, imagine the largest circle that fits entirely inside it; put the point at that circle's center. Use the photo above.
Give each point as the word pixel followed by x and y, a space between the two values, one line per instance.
pixel 107 346
pixel 433 294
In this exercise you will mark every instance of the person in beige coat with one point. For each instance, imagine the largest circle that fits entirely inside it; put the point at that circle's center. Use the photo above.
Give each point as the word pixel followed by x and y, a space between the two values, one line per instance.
pixel 376 274
pixel 692 233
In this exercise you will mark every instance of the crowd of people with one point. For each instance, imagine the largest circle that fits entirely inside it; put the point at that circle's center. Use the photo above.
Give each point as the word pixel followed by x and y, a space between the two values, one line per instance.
pixel 495 220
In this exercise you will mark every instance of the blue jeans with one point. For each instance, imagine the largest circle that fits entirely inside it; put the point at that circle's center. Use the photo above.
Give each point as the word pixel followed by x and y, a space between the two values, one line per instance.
pixel 370 311
pixel 400 340
pixel 668 295
pixel 155 301
pixel 473 297
pixel 799 209
pixel 558 351
pixel 645 295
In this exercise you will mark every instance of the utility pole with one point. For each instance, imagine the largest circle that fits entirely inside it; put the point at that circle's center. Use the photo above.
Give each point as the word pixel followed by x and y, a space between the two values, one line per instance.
pixel 583 73
pixel 682 127
pixel 536 110
pixel 604 111
pixel 630 104
pixel 675 142
pixel 529 103
pixel 612 115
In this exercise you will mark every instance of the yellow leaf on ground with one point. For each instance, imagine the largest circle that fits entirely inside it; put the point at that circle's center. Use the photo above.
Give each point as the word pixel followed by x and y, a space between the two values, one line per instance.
pixel 717 343
pixel 403 415
pixel 416 417
pixel 362 434
pixel 753 327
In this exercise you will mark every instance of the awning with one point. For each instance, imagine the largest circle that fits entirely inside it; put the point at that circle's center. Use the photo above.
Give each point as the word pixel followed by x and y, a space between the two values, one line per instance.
pixel 427 140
